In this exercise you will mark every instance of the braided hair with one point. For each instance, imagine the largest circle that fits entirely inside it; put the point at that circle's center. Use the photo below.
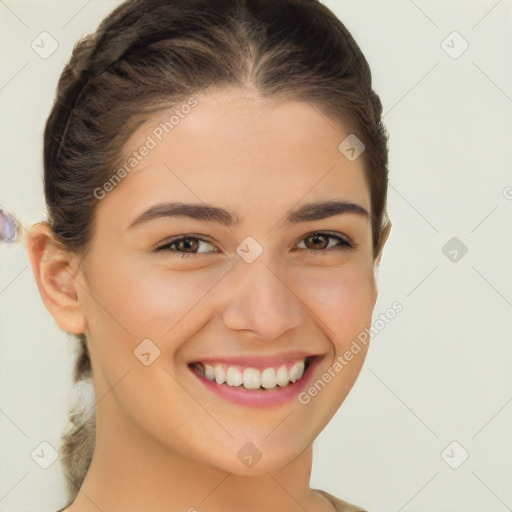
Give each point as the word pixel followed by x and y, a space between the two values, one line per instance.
pixel 149 55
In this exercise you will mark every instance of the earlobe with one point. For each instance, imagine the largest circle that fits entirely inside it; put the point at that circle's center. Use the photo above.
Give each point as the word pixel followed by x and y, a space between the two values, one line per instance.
pixel 54 271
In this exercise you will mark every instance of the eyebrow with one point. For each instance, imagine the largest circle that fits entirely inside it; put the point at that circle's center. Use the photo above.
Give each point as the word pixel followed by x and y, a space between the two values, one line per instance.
pixel 210 213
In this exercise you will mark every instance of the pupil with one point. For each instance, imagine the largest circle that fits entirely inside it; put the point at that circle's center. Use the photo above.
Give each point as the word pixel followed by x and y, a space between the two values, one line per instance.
pixel 316 238
pixel 187 242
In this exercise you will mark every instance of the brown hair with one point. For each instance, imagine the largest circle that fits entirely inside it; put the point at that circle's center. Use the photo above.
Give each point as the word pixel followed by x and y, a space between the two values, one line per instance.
pixel 148 55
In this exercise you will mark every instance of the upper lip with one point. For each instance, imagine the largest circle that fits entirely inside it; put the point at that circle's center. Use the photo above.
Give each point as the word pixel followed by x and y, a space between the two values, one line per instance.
pixel 255 361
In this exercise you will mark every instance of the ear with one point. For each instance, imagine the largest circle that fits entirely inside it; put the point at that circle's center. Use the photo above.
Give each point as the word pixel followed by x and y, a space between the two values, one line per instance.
pixel 54 269
pixel 384 236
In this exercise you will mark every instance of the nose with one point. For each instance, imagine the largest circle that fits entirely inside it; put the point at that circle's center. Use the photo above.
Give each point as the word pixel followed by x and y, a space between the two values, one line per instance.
pixel 261 300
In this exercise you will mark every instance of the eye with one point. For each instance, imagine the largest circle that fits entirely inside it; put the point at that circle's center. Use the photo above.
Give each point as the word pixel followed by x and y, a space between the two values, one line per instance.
pixel 320 239
pixel 190 244
pixel 186 243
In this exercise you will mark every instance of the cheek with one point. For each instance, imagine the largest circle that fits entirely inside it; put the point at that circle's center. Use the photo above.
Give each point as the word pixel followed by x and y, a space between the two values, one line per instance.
pixel 170 302
pixel 342 302
pixel 146 301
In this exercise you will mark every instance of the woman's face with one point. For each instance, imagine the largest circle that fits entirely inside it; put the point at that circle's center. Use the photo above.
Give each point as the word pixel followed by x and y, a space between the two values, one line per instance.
pixel 251 301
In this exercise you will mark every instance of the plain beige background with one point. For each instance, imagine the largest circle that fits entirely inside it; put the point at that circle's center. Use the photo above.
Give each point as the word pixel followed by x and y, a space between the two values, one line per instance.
pixel 438 373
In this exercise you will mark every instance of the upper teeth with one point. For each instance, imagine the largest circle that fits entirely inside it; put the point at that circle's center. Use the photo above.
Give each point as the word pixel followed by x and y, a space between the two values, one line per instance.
pixel 253 378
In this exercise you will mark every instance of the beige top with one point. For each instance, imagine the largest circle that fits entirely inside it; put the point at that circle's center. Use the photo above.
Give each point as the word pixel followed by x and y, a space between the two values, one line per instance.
pixel 339 505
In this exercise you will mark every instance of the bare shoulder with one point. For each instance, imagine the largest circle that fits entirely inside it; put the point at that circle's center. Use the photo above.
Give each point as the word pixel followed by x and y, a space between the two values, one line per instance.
pixel 341 505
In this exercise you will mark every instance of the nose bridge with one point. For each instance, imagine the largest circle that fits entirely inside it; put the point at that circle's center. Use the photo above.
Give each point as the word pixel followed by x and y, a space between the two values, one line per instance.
pixel 259 299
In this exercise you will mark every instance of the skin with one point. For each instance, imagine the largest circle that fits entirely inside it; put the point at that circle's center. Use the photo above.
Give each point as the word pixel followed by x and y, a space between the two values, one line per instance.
pixel 165 442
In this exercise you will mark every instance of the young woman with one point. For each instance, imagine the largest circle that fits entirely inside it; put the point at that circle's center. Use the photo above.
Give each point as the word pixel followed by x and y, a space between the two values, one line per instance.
pixel 216 180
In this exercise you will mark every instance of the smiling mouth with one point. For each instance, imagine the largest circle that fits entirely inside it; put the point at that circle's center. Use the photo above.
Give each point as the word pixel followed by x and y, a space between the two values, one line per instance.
pixel 268 378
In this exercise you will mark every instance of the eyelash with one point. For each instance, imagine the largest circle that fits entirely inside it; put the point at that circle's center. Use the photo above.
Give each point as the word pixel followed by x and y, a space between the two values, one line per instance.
pixel 345 245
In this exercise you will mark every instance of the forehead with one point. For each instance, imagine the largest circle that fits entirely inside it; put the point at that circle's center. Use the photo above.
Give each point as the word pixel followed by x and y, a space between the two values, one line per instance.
pixel 239 150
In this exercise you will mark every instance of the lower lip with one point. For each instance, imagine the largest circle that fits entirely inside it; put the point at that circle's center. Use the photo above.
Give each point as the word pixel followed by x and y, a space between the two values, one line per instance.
pixel 259 397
